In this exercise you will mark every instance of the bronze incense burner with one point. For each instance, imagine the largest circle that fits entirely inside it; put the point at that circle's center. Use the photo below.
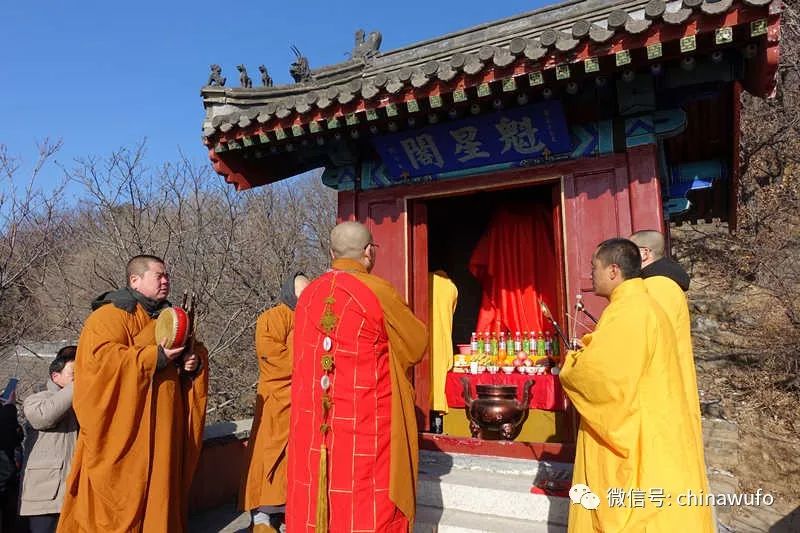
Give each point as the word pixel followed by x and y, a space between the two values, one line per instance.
pixel 496 413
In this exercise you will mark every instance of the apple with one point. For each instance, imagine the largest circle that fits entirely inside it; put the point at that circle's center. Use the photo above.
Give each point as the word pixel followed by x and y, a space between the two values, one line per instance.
pixel 519 362
pixel 522 356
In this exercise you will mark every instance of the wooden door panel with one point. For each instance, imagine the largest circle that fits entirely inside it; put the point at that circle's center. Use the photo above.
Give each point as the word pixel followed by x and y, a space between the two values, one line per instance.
pixel 596 205
pixel 386 219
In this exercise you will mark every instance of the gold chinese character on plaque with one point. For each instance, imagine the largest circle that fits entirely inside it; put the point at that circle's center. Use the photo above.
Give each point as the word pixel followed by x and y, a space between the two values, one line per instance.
pixel 688 44
pixel 536 78
pixel 623 57
pixel 723 35
pixel 654 51
pixel 758 27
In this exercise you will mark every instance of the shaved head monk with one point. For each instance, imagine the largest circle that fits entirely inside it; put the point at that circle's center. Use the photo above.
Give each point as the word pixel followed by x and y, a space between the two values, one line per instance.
pixel 352 454
pixel 263 490
pixel 636 431
pixel 654 263
pixel 141 409
pixel 663 284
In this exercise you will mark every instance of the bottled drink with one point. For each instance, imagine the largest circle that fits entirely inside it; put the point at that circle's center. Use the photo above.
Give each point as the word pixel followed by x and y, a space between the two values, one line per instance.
pixel 479 344
pixel 526 344
pixel 473 343
pixel 487 344
pixel 548 344
pixel 533 342
pixel 517 343
pixel 556 346
pixel 540 351
pixel 493 344
pixel 501 345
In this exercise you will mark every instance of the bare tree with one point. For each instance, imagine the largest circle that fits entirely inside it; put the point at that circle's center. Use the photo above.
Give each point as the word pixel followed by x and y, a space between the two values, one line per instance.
pixel 752 276
pixel 30 227
pixel 233 250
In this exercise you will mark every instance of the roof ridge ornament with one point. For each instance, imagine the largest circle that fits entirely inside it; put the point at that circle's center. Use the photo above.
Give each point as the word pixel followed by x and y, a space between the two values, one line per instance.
pixel 216 78
pixel 300 70
pixel 366 46
pixel 244 78
pixel 266 79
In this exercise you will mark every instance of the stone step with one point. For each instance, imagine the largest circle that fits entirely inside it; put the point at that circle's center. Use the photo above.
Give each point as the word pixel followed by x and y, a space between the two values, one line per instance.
pixel 433 520
pixel 491 486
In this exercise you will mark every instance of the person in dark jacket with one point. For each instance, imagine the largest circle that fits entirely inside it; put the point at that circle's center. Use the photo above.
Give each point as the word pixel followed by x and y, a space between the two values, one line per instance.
pixel 651 248
pixel 10 440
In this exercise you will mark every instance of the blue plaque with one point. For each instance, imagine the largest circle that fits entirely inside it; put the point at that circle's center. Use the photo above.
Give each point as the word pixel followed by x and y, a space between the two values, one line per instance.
pixel 534 133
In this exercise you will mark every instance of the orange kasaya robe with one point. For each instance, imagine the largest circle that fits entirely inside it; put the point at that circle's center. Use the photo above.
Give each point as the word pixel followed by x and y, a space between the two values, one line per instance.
pixel 141 430
pixel 371 448
pixel 265 480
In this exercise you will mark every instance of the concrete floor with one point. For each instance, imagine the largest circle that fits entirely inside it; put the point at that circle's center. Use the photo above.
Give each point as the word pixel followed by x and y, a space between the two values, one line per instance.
pixel 225 519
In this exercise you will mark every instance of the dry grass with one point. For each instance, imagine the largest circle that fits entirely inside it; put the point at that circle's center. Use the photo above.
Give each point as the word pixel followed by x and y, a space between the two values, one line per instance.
pixel 746 349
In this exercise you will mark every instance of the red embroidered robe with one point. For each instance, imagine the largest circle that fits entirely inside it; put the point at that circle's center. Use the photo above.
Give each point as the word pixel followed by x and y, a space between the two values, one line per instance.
pixel 372 442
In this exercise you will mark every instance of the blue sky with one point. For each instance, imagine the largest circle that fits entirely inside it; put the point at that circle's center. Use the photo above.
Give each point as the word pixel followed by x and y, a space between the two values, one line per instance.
pixel 103 75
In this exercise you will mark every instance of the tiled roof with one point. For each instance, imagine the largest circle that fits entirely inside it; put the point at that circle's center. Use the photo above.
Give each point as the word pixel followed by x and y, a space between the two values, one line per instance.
pixel 539 36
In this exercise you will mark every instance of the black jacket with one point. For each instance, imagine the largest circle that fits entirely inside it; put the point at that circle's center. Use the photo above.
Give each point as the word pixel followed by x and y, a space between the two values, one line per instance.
pixel 668 268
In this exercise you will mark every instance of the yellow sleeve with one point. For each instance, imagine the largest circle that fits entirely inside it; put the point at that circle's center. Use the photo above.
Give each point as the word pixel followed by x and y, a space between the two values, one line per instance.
pixel 602 379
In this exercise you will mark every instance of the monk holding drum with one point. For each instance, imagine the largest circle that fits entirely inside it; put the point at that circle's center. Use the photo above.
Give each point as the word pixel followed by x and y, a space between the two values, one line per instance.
pixel 140 401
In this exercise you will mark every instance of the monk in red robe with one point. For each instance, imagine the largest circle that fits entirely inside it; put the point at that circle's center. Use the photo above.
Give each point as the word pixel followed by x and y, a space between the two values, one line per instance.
pixel 141 409
pixel 263 491
pixel 352 455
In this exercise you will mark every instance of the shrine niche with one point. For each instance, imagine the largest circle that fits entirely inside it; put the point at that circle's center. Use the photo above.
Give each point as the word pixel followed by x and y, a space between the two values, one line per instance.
pixel 500 156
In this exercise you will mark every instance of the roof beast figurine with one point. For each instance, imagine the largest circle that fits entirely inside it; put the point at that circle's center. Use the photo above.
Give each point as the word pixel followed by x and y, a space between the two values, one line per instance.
pixel 215 78
pixel 266 79
pixel 366 47
pixel 244 79
pixel 300 69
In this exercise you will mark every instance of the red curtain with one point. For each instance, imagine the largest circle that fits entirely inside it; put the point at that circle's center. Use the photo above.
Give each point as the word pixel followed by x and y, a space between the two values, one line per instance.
pixel 516 265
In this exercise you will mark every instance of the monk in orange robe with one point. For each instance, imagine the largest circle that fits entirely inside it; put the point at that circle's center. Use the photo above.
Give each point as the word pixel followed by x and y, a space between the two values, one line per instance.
pixel 263 489
pixel 141 408
pixel 352 455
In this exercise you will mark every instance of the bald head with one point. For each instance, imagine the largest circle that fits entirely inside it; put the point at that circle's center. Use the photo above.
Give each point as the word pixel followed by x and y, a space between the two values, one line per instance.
pixel 349 240
pixel 300 283
pixel 651 245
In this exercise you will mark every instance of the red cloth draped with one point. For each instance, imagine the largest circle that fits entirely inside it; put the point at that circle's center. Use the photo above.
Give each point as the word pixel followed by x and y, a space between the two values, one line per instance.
pixel 546 393
pixel 516 265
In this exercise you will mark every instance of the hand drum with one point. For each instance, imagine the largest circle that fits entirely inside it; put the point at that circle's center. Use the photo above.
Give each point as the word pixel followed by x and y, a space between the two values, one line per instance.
pixel 172 324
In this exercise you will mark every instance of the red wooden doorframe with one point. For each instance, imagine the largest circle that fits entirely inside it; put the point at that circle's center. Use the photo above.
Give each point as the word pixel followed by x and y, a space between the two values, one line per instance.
pixel 418 238
pixel 593 199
